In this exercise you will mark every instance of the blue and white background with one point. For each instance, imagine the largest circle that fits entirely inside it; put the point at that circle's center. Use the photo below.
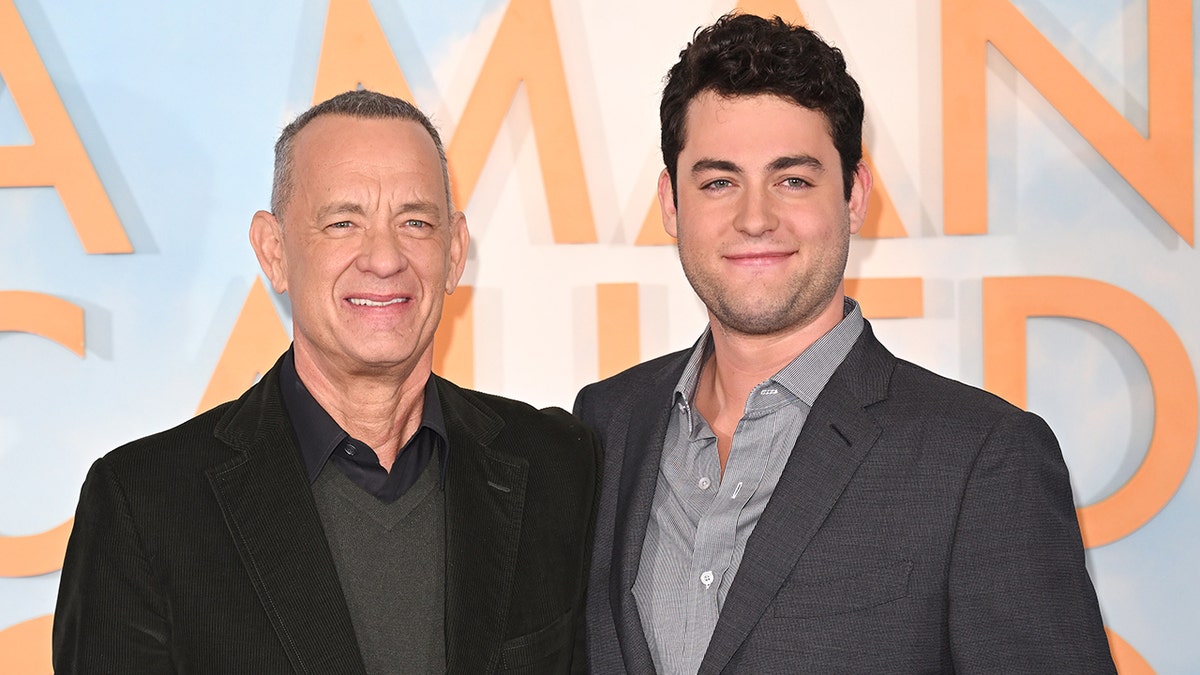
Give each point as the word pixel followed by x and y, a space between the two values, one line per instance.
pixel 178 106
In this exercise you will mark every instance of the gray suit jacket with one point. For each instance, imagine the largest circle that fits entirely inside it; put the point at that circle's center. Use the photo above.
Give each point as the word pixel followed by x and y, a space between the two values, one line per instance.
pixel 919 526
pixel 200 549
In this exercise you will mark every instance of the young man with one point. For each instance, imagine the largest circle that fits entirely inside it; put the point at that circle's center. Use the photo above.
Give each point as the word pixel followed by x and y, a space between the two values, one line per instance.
pixel 787 496
pixel 351 512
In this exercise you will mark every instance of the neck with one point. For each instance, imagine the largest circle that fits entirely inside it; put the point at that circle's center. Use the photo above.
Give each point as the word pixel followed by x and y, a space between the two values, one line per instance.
pixel 382 409
pixel 740 362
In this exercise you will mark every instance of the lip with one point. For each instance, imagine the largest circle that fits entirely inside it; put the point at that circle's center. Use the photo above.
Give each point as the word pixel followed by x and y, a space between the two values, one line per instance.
pixel 758 258
pixel 377 300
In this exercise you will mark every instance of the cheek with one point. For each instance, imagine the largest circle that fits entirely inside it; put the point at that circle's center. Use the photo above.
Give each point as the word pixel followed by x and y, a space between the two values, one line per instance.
pixel 431 260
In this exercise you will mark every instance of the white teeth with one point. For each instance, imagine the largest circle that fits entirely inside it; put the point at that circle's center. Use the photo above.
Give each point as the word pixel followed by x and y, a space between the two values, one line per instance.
pixel 363 302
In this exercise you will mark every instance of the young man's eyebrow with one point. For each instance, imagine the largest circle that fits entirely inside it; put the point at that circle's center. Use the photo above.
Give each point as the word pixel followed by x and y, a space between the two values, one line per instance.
pixel 793 161
pixel 703 165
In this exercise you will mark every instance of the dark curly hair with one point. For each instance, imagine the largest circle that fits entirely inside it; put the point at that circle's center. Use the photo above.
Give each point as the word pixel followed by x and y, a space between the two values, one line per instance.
pixel 747 55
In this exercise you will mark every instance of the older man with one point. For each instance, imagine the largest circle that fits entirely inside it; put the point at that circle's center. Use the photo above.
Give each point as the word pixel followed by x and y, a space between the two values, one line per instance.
pixel 351 512
pixel 787 496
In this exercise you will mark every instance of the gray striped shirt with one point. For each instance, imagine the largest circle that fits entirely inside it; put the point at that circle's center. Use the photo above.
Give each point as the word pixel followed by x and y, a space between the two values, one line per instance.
pixel 700 521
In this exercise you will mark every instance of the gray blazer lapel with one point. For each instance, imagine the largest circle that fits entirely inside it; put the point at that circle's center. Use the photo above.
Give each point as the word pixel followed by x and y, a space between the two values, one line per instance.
pixel 642 454
pixel 835 439
pixel 272 517
pixel 485 499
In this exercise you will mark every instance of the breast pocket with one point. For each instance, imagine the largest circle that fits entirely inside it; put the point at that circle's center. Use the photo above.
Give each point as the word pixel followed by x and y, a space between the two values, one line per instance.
pixel 862 590
pixel 545 650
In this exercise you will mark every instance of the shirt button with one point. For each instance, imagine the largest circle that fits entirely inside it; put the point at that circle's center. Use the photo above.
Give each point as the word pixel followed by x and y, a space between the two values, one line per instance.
pixel 350 450
pixel 706 578
pixel 704 483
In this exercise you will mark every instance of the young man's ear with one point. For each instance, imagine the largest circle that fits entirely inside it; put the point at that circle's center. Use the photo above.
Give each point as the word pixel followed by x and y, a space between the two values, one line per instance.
pixel 666 202
pixel 266 237
pixel 860 194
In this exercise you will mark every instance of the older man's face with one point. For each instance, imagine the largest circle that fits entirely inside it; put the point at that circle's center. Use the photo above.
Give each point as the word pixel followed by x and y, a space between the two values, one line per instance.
pixel 366 247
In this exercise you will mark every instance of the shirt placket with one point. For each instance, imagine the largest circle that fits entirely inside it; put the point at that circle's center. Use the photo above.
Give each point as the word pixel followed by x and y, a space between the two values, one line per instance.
pixel 706 567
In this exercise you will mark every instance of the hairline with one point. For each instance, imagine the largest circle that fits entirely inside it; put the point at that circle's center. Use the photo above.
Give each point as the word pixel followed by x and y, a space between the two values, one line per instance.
pixel 354 104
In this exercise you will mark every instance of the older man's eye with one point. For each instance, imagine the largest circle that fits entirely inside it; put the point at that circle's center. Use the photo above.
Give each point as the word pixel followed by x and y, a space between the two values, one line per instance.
pixel 418 224
pixel 340 225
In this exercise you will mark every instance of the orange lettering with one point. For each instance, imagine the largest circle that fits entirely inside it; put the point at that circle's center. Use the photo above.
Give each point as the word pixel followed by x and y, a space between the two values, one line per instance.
pixel 526 50
pixel 25 647
pixel 53 318
pixel 618 342
pixel 454 342
pixel 1159 166
pixel 31 555
pixel 1125 657
pixel 61 322
pixel 1009 302
pixel 57 157
pixel 900 298
pixel 356 52
pixel 257 340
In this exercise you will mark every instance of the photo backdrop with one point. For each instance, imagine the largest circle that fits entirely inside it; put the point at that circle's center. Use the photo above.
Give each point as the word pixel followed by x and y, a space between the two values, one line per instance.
pixel 1032 231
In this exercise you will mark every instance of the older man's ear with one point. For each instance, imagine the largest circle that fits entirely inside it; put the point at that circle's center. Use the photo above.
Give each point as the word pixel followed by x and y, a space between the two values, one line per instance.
pixel 266 237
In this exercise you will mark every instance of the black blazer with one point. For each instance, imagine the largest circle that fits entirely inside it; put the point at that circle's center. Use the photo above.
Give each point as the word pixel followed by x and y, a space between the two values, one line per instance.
pixel 200 550
pixel 920 525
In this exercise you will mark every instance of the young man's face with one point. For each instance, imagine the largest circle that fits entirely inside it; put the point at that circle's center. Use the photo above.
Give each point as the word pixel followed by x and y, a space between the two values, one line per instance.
pixel 762 219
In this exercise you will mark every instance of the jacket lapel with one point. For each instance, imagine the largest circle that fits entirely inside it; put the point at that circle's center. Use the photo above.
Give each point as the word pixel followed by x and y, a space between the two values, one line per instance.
pixel 272 517
pixel 485 498
pixel 836 437
pixel 642 454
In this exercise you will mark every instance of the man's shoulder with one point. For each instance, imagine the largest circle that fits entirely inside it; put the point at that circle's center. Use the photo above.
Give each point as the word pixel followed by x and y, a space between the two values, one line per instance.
pixel 645 374
pixel 950 396
pixel 513 416
pixel 180 445
pixel 207 438
pixel 876 374
pixel 614 398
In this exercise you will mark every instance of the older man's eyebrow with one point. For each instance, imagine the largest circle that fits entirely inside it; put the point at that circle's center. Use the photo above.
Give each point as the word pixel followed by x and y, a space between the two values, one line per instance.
pixel 420 207
pixel 796 161
pixel 340 208
pixel 725 165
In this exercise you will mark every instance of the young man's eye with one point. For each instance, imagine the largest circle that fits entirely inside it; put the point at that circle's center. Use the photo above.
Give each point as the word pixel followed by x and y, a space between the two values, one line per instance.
pixel 718 184
pixel 796 182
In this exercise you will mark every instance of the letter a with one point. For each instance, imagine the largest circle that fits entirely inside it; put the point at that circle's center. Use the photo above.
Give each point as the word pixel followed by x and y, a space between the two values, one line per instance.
pixel 57 157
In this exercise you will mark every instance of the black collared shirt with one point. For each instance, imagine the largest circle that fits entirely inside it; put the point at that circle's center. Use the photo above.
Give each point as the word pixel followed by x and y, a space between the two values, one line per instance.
pixel 323 440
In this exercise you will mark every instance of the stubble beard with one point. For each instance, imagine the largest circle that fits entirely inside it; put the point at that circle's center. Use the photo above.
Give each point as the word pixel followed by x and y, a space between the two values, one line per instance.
pixel 773 311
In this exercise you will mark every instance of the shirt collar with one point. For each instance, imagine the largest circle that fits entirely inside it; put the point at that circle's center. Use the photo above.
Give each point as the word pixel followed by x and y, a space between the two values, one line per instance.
pixel 319 435
pixel 805 376
pixel 809 372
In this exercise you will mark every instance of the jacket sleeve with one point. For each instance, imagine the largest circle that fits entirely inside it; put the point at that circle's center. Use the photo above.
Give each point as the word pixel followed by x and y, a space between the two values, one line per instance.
pixel 1020 599
pixel 579 664
pixel 111 615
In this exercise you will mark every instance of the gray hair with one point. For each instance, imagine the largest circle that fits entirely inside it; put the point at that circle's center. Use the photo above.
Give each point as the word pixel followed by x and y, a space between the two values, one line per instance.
pixel 362 104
